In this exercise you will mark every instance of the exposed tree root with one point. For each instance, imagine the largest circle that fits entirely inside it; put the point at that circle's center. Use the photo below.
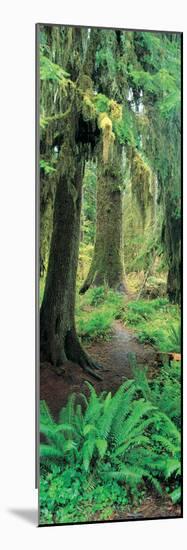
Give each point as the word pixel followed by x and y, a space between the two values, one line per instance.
pixel 76 353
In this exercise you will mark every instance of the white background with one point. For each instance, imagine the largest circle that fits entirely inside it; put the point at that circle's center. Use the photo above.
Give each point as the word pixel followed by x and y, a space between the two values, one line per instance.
pixel 18 500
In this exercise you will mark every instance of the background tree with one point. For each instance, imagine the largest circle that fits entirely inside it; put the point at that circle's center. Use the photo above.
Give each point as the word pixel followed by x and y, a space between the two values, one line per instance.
pixel 107 266
pixel 157 77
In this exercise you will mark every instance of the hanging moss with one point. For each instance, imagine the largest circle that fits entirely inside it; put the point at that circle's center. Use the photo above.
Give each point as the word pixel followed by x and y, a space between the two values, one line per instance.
pixel 108 136
pixel 141 183
pixel 85 84
pixel 88 108
pixel 115 110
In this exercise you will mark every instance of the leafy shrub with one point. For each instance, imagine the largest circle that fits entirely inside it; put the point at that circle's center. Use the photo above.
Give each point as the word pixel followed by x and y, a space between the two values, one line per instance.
pixel 145 308
pixel 98 295
pixel 167 341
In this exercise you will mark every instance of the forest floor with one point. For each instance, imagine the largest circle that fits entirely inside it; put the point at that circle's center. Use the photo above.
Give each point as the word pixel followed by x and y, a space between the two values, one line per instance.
pixel 152 506
pixel 112 354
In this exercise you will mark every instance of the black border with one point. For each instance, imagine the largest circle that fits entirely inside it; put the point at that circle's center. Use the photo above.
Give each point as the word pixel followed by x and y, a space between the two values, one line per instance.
pixel 37 302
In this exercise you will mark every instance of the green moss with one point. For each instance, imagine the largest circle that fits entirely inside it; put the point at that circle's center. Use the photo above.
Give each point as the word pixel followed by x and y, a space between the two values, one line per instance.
pixel 141 182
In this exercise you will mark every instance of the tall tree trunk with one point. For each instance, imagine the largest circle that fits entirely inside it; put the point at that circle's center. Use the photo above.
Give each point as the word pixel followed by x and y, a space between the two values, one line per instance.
pixel 58 339
pixel 107 265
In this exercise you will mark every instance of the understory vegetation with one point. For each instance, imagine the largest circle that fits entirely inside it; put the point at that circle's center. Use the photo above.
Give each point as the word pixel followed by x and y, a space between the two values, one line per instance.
pixel 106 452
pixel 154 321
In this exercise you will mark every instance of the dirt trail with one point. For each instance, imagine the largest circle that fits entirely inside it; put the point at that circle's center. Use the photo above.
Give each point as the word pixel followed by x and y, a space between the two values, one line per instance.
pixel 112 355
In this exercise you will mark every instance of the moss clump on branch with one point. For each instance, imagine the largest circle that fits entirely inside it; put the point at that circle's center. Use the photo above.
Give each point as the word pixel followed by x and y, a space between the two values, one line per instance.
pixel 88 107
pixel 105 124
pixel 106 111
pixel 115 110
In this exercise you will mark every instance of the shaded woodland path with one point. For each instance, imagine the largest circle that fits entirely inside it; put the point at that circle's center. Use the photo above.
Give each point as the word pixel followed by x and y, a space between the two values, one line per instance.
pixel 111 354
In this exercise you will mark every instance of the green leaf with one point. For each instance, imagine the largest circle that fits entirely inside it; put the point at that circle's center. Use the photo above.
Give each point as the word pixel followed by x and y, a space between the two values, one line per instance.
pixel 49 451
pixel 101 445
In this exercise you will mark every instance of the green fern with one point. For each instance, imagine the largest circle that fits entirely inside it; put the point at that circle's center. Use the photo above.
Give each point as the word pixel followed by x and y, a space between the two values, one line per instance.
pixel 124 437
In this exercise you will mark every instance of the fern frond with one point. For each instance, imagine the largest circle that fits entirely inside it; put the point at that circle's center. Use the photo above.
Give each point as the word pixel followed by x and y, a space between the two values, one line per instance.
pixel 135 441
pixel 49 451
pixel 87 453
pixel 140 408
pixel 101 445
pixel 165 443
pixel 45 415
pixel 176 495
pixel 66 415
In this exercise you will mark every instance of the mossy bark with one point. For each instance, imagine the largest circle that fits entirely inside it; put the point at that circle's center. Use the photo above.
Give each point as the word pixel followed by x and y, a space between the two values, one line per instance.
pixel 47 193
pixel 107 265
pixel 58 338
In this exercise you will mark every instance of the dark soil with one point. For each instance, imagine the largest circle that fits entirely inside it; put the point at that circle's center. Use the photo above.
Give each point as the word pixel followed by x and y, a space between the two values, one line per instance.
pixel 112 355
pixel 151 507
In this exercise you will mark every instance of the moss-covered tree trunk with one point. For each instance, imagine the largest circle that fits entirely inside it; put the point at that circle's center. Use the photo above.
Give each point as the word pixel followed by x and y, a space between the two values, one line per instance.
pixel 58 338
pixel 107 265
pixel 47 192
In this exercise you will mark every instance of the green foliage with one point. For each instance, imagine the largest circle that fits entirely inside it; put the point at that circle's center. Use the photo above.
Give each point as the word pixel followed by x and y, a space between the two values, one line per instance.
pixel 96 311
pixel 102 103
pixel 98 295
pixel 46 166
pixel 105 60
pixel 160 338
pixel 97 326
pixel 72 495
pixel 50 70
pixel 164 390
pixel 175 338
pixel 126 130
pixel 162 76
pixel 159 76
pixel 122 440
pixel 156 322
pixel 140 310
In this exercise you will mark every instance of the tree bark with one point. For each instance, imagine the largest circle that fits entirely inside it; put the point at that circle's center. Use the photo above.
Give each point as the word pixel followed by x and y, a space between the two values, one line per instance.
pixel 58 339
pixel 107 265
